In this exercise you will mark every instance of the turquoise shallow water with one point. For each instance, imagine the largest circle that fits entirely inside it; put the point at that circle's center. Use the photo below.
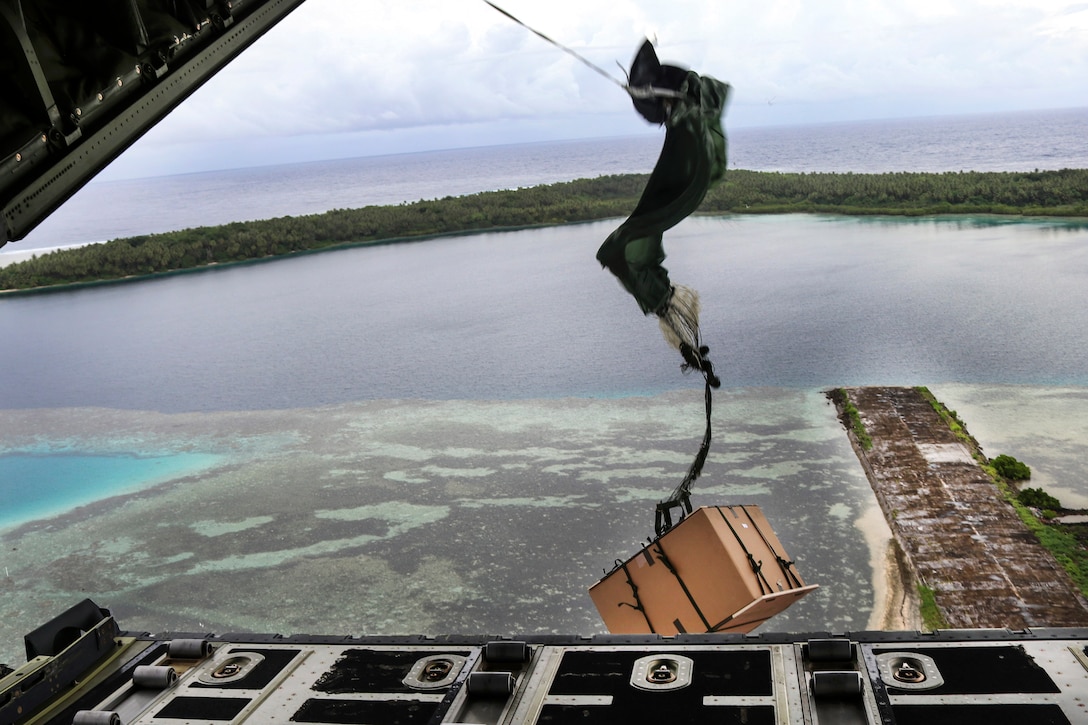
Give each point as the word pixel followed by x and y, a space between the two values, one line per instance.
pixel 425 517
pixel 34 485
pixel 433 517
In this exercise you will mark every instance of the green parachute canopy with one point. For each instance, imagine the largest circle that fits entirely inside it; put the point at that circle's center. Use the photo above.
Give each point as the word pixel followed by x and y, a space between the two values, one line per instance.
pixel 692 159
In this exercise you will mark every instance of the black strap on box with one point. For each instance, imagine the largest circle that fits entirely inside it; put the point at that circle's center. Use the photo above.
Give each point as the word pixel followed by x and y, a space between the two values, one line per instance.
pixel 672 570
pixel 634 592
pixel 784 564
pixel 757 566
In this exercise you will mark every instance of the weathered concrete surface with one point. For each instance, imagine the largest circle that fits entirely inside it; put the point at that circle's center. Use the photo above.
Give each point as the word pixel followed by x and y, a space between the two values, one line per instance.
pixel 961 538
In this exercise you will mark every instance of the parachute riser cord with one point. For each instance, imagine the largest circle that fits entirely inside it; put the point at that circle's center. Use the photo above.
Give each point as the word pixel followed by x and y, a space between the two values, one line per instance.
pixel 685 331
pixel 634 92
pixel 681 495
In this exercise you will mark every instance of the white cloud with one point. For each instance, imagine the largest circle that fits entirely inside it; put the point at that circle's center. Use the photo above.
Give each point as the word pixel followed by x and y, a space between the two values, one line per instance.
pixel 431 70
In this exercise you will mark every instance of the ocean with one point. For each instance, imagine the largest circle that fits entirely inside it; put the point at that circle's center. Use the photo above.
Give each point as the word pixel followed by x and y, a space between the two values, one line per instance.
pixel 994 142
pixel 458 435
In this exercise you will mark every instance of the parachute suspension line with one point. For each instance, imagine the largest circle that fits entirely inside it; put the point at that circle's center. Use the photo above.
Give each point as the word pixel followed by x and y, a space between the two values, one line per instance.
pixel 681 495
pixel 639 92
pixel 679 321
pixel 678 317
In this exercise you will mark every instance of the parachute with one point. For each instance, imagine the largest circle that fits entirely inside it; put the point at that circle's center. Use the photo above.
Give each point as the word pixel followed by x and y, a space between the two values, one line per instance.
pixel 692 159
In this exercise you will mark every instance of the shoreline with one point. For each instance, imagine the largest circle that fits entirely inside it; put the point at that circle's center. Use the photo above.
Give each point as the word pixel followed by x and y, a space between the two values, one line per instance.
pixel 895 598
pixel 904 215
pixel 14 256
pixel 915 195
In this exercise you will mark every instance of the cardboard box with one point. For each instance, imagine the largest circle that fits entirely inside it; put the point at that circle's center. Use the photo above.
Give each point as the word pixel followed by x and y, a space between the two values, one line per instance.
pixel 721 569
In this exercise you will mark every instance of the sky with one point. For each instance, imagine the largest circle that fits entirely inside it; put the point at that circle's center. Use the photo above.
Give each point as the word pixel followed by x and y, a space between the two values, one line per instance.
pixel 349 78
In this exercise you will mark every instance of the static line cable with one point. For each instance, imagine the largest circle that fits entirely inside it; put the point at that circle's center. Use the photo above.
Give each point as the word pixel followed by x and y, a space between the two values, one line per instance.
pixel 694 356
pixel 556 44
pixel 639 92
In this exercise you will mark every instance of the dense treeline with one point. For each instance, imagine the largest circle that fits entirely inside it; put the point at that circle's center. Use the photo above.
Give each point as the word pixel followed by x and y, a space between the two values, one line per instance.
pixel 150 254
pixel 1053 193
pixel 1032 193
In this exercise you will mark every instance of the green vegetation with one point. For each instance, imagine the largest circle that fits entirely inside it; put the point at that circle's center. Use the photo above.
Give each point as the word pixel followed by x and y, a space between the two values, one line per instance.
pixel 852 418
pixel 1011 469
pixel 1069 552
pixel 1060 540
pixel 1043 193
pixel 932 617
pixel 952 420
pixel 1048 193
pixel 244 241
pixel 1038 498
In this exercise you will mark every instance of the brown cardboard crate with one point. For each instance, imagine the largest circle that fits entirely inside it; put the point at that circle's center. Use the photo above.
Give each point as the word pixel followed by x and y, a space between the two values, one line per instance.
pixel 699 577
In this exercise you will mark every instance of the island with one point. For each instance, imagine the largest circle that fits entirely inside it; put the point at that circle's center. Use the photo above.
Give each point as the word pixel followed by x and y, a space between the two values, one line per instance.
pixel 1061 193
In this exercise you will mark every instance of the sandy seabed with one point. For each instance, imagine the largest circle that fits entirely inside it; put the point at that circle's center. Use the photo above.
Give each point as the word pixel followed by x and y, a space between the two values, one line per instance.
pixel 431 517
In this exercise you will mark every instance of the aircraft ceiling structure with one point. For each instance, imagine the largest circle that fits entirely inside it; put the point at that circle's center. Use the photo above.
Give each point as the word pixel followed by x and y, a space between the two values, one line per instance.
pixel 82 80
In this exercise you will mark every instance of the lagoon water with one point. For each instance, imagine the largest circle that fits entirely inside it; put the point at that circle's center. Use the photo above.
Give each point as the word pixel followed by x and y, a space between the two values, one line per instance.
pixel 63 480
pixel 796 301
pixel 458 435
